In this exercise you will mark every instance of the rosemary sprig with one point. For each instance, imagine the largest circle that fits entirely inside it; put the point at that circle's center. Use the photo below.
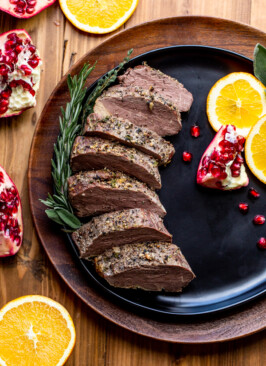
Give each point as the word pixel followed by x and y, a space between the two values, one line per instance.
pixel 71 122
pixel 60 210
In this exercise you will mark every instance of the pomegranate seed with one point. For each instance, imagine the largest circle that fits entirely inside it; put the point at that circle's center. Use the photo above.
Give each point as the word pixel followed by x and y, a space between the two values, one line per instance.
pixel 25 69
pixel 235 166
pixel 32 48
pixel 19 10
pixel 21 4
pixel 6 93
pixel 261 243
pixel 243 207
pixel 259 220
pixel 195 131
pixel 4 103
pixel 10 44
pixel 30 10
pixel 203 172
pixel 13 2
pixel 33 62
pixel 235 173
pixel 215 171
pixel 253 193
pixel 239 159
pixel 32 2
pixel 19 48
pixel 205 161
pixel 223 175
pixel 3 70
pixel 187 156
pixel 3 110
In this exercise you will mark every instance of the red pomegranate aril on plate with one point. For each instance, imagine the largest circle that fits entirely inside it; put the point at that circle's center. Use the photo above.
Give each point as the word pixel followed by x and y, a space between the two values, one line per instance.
pixel 261 243
pixel 187 156
pixel 253 193
pixel 195 131
pixel 243 207
pixel 259 220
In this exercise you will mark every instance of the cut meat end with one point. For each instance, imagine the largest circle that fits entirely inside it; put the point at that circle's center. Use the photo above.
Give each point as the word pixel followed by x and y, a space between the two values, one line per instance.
pixel 151 266
pixel 119 228
pixel 146 77
pixel 96 153
pixel 142 107
pixel 100 191
pixel 127 133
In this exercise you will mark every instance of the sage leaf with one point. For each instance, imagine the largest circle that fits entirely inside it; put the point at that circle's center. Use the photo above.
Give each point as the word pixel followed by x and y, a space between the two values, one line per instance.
pixel 259 64
pixel 68 218
pixel 53 216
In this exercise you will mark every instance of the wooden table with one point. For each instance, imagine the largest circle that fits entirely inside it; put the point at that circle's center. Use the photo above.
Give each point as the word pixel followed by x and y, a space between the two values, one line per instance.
pixel 99 342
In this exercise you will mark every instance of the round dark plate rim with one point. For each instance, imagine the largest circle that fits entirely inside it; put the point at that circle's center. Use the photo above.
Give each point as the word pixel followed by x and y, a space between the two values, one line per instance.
pixel 139 307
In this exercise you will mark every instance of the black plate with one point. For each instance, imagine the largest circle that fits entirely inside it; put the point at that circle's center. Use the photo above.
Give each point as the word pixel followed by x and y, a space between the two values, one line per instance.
pixel 217 240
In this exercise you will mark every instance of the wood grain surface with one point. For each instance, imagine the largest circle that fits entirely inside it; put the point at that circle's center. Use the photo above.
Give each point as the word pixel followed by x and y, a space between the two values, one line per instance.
pixel 99 342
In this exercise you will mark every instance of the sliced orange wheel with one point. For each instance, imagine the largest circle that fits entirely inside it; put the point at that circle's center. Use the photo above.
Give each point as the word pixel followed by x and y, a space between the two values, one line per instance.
pixel 35 331
pixel 237 99
pixel 255 149
pixel 98 16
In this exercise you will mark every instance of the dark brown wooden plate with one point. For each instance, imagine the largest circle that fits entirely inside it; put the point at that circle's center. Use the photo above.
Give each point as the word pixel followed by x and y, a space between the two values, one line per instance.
pixel 165 33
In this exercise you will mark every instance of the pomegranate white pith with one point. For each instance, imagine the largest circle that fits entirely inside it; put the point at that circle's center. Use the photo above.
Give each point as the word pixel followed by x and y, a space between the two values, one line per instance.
pixel 20 68
pixel 11 227
pixel 24 8
pixel 222 165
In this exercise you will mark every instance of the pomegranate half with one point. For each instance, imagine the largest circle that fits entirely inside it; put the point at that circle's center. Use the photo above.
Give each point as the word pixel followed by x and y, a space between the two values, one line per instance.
pixel 222 165
pixel 11 227
pixel 20 69
pixel 24 8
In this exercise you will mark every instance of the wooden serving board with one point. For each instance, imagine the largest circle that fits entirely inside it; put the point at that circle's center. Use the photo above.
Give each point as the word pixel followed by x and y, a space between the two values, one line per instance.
pixel 231 324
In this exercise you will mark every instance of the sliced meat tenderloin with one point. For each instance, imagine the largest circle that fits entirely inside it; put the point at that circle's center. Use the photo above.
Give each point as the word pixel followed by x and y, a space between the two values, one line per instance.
pixel 96 153
pixel 100 191
pixel 140 106
pixel 151 266
pixel 127 133
pixel 169 88
pixel 119 228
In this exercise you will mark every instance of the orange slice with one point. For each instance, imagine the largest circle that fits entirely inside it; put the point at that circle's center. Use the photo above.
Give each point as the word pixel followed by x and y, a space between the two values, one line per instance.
pixel 255 149
pixel 34 331
pixel 98 16
pixel 237 99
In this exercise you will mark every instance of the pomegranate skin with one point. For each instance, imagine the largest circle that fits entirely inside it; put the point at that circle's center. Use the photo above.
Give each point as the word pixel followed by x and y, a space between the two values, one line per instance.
pixel 11 222
pixel 222 166
pixel 28 10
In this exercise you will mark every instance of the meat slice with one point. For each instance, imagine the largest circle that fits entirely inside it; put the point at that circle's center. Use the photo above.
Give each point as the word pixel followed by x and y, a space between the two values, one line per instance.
pixel 96 153
pixel 118 228
pixel 100 191
pixel 140 106
pixel 151 266
pixel 169 88
pixel 127 133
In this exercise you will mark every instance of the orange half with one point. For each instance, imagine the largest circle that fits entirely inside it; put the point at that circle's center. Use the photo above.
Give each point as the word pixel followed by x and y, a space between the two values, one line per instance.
pixel 35 331
pixel 98 16
pixel 255 150
pixel 237 99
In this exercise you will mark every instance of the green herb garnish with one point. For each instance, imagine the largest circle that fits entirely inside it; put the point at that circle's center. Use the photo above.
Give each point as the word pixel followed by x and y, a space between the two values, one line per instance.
pixel 259 63
pixel 71 123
